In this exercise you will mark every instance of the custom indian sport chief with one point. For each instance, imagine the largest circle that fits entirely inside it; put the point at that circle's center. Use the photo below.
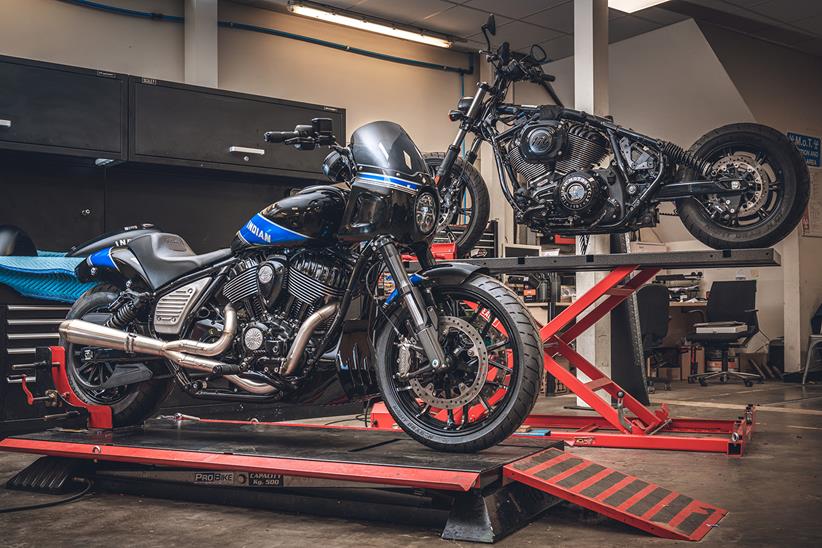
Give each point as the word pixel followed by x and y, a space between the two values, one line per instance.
pixel 293 314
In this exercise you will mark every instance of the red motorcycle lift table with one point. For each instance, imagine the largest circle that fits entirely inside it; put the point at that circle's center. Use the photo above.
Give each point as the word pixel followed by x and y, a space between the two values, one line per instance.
pixel 345 471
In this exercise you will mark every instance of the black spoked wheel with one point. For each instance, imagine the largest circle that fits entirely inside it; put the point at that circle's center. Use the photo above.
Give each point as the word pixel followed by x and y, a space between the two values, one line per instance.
pixel 465 212
pixel 492 376
pixel 88 369
pixel 775 182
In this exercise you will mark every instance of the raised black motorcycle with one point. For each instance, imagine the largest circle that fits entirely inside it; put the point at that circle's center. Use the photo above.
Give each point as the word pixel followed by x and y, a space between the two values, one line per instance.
pixel 296 312
pixel 571 173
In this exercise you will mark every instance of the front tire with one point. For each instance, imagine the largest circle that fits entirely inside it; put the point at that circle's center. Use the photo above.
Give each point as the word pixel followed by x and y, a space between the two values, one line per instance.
pixel 474 208
pixel 773 209
pixel 130 405
pixel 510 381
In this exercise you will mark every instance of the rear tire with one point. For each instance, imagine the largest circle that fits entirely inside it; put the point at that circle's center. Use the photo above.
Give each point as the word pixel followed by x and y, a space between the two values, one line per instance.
pixel 474 185
pixel 137 401
pixel 526 362
pixel 786 215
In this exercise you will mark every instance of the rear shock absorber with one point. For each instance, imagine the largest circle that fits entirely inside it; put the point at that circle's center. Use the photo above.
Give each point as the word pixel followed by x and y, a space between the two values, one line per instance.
pixel 688 159
pixel 126 312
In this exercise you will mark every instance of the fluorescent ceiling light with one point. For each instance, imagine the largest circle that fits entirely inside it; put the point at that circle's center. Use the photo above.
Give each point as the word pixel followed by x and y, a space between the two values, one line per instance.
pixel 350 20
pixel 630 6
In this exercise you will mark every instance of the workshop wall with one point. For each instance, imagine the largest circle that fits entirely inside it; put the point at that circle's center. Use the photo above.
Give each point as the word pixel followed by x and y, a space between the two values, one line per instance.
pixel 782 88
pixel 57 32
pixel 369 89
pixel 250 62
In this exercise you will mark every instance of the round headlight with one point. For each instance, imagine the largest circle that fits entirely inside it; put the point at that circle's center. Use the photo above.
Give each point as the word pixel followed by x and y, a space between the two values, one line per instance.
pixel 425 213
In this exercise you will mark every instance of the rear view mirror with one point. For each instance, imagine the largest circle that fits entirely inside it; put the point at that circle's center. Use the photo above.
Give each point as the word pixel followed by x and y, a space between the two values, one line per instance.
pixel 490 25
pixel 538 54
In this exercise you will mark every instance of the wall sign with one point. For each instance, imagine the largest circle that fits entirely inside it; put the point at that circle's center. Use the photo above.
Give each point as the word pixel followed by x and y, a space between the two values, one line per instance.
pixel 809 146
pixel 812 220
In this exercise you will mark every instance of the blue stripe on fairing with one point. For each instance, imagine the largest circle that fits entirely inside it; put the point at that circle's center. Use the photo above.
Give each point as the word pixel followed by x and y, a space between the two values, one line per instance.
pixel 261 231
pixel 415 280
pixel 101 258
pixel 377 178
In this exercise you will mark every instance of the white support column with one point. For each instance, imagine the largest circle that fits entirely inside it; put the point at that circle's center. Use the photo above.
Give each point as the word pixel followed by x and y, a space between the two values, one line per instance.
pixel 795 339
pixel 591 95
pixel 201 42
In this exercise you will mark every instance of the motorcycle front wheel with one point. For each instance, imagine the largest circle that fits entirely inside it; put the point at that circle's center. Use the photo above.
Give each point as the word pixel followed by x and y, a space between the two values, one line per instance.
pixel 491 381
pixel 778 187
pixel 466 220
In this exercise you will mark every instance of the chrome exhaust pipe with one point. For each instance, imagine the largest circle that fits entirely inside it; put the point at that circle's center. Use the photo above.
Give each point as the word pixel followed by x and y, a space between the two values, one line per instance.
pixel 188 353
pixel 92 334
pixel 295 353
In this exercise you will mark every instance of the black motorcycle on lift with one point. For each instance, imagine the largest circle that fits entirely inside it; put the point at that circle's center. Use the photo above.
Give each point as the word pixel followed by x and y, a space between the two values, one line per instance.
pixel 571 173
pixel 292 313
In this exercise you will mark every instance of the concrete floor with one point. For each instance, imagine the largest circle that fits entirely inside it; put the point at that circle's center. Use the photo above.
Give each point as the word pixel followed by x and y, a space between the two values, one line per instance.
pixel 773 493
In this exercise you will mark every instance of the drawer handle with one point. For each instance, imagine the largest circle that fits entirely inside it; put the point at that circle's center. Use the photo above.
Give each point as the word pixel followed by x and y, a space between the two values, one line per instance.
pixel 5 123
pixel 247 150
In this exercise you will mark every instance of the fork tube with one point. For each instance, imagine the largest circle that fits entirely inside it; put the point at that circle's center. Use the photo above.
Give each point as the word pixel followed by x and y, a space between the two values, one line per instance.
pixel 467 122
pixel 423 328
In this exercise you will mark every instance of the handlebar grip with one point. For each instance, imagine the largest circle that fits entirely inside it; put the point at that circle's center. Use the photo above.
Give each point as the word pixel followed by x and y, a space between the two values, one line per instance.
pixel 279 136
pixel 548 77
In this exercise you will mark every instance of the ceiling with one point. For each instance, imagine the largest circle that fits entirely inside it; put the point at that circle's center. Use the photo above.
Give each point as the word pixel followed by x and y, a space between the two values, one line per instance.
pixel 793 23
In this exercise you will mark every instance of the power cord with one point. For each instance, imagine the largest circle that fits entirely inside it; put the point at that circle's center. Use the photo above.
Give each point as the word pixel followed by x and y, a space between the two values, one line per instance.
pixel 49 504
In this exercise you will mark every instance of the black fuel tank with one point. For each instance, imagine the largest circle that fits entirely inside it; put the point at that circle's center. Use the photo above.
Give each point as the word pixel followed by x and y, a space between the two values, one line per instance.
pixel 309 218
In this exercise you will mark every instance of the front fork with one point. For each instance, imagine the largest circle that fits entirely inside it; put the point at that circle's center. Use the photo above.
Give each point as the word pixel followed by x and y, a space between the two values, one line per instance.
pixel 424 328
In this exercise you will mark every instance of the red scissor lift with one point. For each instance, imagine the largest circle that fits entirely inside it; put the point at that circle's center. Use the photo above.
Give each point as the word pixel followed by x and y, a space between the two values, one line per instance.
pixel 629 424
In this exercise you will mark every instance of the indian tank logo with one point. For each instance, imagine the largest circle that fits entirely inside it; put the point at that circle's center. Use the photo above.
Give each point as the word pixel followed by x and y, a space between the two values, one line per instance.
pixel 258 232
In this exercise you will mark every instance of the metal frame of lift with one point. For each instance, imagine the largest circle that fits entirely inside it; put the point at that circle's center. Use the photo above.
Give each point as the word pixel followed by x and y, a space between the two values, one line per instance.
pixel 629 424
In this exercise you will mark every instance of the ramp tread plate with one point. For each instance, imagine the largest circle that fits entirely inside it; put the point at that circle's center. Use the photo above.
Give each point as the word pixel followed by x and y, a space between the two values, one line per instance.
pixel 641 504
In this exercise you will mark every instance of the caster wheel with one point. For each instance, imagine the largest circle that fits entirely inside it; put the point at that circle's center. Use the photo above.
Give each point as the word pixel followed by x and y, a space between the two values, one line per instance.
pixel 690 380
pixel 668 388
pixel 651 390
pixel 748 384
pixel 723 380
pixel 760 380
pixel 703 382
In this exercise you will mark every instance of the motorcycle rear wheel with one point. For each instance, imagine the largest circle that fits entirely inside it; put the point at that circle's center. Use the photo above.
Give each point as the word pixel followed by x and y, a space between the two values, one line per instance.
pixel 471 406
pixel 130 405
pixel 774 207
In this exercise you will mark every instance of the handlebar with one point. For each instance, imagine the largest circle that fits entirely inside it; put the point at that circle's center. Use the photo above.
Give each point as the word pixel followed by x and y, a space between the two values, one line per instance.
pixel 305 136
pixel 280 136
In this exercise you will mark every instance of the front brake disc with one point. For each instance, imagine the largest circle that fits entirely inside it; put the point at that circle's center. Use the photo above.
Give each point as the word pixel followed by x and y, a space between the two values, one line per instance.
pixel 466 393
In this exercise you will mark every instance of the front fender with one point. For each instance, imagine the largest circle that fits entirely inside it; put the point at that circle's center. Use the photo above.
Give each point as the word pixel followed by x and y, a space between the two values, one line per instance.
pixel 443 273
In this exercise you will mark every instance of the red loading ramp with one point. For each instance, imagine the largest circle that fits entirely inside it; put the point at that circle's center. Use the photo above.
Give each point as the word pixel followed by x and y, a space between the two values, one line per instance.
pixel 619 496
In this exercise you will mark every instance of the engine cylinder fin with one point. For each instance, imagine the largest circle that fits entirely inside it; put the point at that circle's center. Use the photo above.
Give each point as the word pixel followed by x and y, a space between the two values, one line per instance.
pixel 586 148
pixel 314 278
pixel 244 282
pixel 529 170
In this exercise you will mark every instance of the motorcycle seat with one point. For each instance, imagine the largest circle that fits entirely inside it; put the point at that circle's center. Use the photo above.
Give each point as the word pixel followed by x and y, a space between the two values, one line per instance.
pixel 165 257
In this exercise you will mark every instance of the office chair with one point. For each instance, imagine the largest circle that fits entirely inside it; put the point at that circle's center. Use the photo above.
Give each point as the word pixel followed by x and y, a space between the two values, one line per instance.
pixel 814 357
pixel 731 304
pixel 653 303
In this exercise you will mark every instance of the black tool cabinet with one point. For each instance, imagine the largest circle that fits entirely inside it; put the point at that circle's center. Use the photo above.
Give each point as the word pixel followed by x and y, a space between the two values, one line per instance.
pixel 63 110
pixel 99 115
pixel 185 125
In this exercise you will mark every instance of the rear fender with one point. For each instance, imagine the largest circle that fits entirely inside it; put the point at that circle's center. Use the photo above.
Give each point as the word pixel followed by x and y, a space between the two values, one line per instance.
pixel 115 265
